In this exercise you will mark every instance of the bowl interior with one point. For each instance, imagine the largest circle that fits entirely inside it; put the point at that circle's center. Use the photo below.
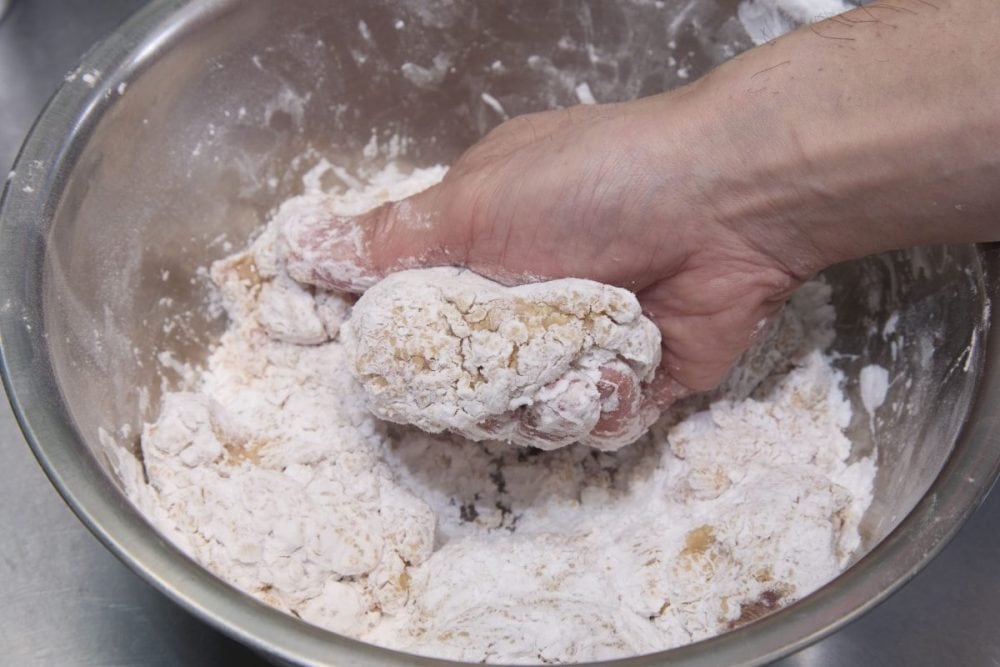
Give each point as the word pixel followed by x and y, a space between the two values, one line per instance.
pixel 210 127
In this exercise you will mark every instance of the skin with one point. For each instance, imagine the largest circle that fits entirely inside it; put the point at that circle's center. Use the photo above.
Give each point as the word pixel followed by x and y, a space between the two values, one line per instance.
pixel 875 130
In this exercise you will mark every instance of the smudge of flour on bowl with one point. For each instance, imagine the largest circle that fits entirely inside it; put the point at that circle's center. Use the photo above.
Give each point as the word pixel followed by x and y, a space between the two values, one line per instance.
pixel 765 20
pixel 271 472
pixel 874 386
pixel 584 94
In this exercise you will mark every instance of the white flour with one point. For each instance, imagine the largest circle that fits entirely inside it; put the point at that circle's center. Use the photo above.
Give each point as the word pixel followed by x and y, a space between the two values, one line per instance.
pixel 874 384
pixel 765 20
pixel 446 349
pixel 272 473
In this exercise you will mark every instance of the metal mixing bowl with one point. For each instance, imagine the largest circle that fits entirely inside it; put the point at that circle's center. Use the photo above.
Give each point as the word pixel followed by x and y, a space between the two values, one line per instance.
pixel 181 131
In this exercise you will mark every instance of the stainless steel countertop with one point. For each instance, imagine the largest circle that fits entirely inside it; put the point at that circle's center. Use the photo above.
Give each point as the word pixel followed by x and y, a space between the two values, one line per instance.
pixel 69 602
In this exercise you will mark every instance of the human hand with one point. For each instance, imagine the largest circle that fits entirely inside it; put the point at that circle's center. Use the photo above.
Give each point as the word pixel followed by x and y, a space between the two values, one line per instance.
pixel 621 194
pixel 713 202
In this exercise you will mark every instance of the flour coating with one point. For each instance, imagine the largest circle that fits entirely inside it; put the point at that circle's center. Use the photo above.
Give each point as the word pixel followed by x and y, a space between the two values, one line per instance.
pixel 272 473
pixel 445 349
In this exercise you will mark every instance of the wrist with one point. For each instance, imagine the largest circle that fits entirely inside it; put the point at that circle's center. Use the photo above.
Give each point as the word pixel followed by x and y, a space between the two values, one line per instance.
pixel 825 153
pixel 745 172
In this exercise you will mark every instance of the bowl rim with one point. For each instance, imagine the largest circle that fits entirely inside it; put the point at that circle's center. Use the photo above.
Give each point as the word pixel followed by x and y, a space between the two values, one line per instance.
pixel 31 195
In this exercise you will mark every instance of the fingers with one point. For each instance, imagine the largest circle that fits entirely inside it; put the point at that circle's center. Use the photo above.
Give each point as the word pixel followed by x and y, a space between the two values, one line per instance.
pixel 351 253
pixel 709 313
pixel 569 408
pixel 626 412
pixel 328 252
pixel 432 228
pixel 566 410
pixel 664 390
pixel 699 352
pixel 607 414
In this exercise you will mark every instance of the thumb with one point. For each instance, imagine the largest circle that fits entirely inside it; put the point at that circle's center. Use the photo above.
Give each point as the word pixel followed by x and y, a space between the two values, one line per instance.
pixel 352 253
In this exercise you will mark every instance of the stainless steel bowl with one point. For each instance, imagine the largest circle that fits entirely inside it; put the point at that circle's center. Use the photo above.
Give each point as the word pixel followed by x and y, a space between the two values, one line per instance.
pixel 184 126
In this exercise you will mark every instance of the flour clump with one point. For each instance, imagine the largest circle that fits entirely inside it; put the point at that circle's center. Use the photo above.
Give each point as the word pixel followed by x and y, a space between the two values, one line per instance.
pixel 448 350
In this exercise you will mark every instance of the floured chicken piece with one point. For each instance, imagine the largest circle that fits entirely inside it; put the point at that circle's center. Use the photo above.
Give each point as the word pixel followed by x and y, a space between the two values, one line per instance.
pixel 544 364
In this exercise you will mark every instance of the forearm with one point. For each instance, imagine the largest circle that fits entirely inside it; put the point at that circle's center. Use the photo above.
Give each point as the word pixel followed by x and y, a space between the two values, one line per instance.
pixel 876 130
